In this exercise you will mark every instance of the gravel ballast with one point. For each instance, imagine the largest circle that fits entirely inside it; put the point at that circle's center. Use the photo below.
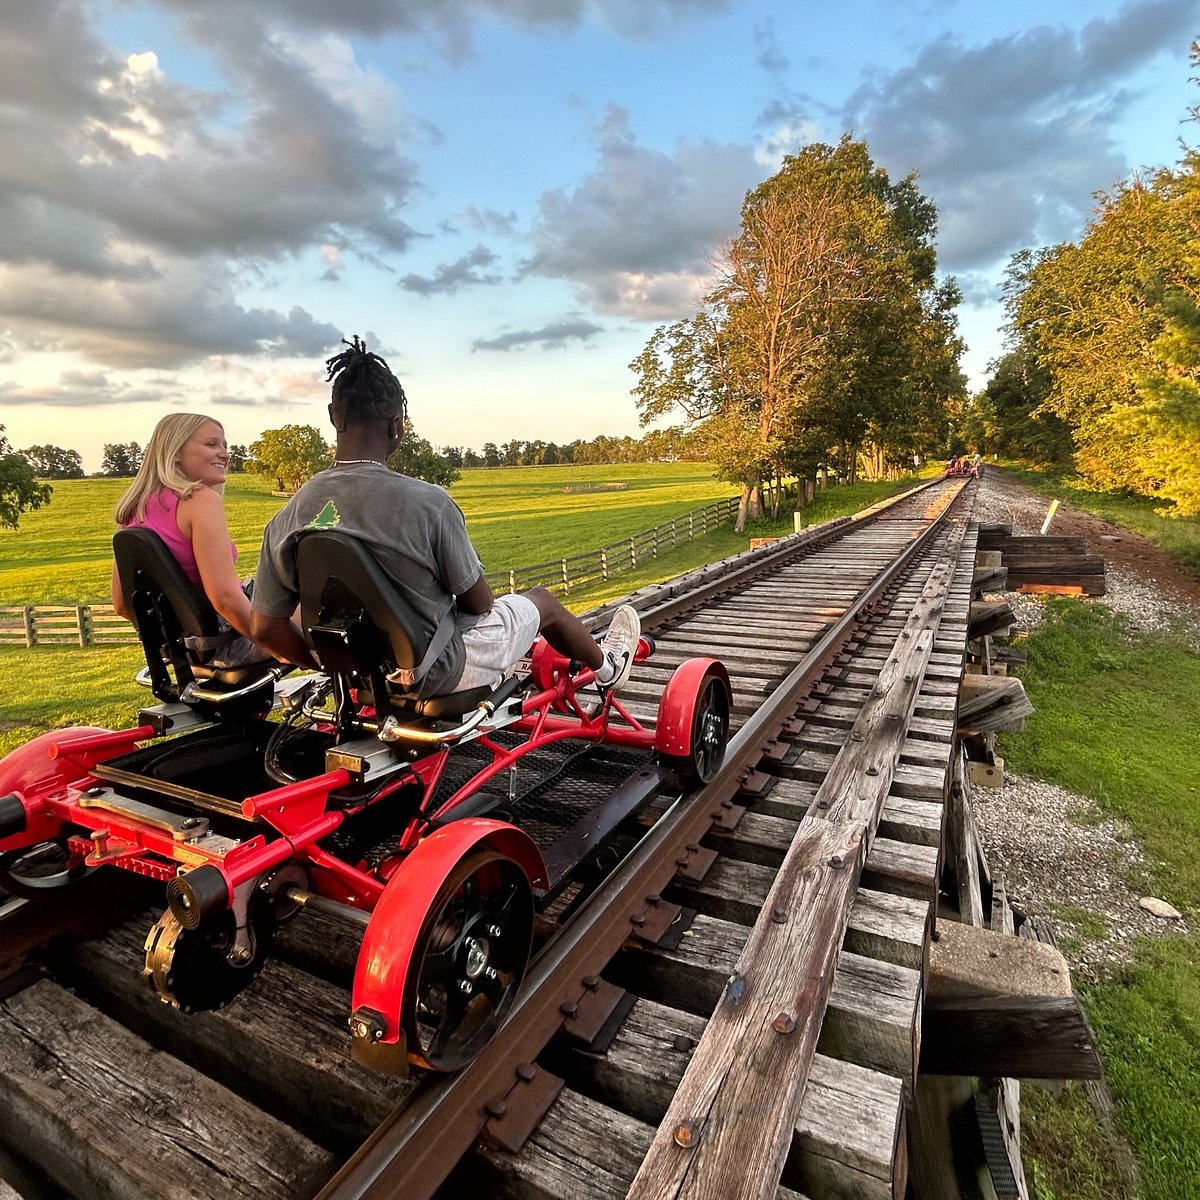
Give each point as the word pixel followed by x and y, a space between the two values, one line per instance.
pixel 1059 855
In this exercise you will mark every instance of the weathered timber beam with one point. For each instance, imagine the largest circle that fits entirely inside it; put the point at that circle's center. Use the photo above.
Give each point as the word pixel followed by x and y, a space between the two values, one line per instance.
pixel 989 702
pixel 962 849
pixel 989 616
pixel 1003 1006
pixel 989 579
pixel 726 1131
pixel 1020 1037
pixel 1033 543
pixel 58 1108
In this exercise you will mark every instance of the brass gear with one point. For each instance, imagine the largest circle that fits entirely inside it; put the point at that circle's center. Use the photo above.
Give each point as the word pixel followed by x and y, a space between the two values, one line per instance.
pixel 192 969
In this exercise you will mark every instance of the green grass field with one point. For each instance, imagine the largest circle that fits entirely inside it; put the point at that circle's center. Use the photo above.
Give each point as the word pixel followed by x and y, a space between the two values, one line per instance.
pixel 62 554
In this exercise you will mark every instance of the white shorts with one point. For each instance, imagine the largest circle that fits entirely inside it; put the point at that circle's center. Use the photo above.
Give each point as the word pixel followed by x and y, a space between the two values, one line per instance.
pixel 498 640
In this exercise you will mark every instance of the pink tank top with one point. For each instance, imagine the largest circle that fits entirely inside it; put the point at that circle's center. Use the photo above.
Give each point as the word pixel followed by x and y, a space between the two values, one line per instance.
pixel 161 518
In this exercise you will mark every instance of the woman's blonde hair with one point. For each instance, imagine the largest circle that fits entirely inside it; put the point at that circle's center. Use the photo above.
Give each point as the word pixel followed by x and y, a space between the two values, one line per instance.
pixel 160 468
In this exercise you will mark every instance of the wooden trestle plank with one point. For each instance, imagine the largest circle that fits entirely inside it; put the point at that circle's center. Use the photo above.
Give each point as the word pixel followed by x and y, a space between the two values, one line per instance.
pixel 849 1119
pixel 874 1016
pixel 110 1118
pixel 281 1041
pixel 724 1133
pixel 856 1145
pixel 580 1148
pixel 884 925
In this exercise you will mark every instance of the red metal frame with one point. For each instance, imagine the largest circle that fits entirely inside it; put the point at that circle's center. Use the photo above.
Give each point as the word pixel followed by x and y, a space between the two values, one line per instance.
pixel 51 774
pixel 51 777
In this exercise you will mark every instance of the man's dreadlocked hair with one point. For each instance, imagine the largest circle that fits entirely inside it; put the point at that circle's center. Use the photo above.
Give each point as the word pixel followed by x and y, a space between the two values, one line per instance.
pixel 364 388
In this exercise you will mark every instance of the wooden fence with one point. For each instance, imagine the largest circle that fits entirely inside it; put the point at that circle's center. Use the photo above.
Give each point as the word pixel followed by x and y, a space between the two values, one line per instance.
pixel 64 625
pixel 98 625
pixel 593 566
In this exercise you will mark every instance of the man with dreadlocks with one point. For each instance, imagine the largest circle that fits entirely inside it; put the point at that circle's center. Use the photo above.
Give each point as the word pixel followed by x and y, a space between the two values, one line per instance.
pixel 419 536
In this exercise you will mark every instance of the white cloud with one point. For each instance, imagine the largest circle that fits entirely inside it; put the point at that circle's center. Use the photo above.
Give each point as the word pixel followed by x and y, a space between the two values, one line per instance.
pixel 554 336
pixel 636 237
pixel 1012 138
pixel 127 199
pixel 186 312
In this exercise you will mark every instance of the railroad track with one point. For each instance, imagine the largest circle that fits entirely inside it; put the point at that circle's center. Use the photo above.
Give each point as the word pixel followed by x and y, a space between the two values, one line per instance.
pixel 841 643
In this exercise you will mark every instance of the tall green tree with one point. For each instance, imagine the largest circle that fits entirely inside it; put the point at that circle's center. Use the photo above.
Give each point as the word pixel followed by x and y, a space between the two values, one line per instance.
pixel 417 457
pixel 1113 323
pixel 292 455
pixel 19 490
pixel 819 334
pixel 1171 392
pixel 121 459
pixel 1009 417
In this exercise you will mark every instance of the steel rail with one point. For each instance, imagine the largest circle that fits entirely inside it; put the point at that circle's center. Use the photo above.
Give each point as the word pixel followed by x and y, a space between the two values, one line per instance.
pixel 700 589
pixel 413 1150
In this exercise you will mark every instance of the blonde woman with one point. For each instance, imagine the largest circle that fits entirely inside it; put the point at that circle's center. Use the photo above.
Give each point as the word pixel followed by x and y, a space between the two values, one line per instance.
pixel 177 493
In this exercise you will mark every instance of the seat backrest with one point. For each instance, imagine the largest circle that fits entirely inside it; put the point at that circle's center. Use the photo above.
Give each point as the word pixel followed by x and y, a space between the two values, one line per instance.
pixel 354 617
pixel 166 608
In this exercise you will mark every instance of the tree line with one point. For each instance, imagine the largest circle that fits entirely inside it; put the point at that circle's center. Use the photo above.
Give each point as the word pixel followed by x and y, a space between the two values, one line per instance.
pixel 293 453
pixel 1101 370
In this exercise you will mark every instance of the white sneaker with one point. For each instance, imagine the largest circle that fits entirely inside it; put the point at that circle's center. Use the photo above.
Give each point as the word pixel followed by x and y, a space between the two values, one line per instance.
pixel 619 646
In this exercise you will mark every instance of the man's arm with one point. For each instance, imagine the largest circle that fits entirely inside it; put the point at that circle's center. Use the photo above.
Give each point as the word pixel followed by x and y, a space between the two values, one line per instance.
pixel 280 637
pixel 477 599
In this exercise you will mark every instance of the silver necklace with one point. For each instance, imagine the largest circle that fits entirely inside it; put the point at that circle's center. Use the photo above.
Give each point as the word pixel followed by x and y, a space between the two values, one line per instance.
pixel 357 462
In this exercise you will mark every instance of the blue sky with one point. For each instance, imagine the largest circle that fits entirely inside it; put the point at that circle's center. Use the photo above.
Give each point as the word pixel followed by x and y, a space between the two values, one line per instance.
pixel 198 198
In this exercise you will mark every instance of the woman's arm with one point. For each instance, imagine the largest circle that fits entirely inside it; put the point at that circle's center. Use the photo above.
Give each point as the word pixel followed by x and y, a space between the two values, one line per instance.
pixel 202 518
pixel 118 597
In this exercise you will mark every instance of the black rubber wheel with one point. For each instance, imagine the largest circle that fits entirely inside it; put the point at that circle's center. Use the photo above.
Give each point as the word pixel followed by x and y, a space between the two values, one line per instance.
pixel 710 733
pixel 192 970
pixel 45 867
pixel 469 960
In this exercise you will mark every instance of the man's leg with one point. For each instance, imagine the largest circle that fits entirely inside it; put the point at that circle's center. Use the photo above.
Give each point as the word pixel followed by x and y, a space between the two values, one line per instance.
pixel 564 631
pixel 611 659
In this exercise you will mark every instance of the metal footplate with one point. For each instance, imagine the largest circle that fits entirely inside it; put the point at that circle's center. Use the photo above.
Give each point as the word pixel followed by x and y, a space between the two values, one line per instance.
pixel 186 830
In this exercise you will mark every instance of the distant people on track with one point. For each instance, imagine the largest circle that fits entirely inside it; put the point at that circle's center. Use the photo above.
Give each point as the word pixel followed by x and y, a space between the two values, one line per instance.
pixel 177 493
pixel 419 536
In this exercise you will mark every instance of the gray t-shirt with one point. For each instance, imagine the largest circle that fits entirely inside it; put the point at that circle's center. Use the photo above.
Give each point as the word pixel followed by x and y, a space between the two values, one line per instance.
pixel 415 530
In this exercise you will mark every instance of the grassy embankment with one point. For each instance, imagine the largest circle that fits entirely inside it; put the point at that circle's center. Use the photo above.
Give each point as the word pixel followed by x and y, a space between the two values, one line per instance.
pixel 62 554
pixel 516 516
pixel 1118 719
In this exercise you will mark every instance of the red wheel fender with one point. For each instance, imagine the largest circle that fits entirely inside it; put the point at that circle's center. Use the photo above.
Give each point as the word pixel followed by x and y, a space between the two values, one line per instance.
pixel 31 774
pixel 673 732
pixel 395 924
